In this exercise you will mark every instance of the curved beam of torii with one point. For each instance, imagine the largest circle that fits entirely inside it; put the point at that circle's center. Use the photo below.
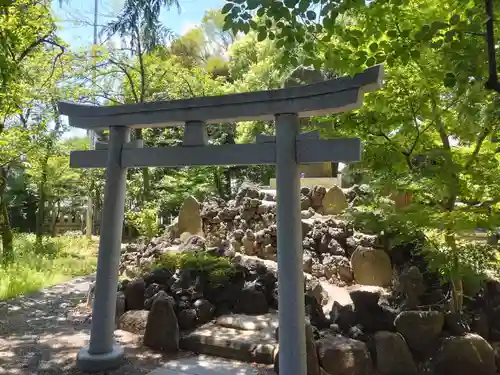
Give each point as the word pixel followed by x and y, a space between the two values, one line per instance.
pixel 286 150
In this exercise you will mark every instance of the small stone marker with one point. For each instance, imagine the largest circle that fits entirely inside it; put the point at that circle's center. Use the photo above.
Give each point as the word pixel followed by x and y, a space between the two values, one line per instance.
pixel 190 218
pixel 334 201
pixel 371 266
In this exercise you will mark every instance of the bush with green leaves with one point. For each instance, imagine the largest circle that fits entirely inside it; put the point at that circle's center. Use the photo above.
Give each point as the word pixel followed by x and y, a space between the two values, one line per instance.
pixel 217 269
pixel 144 221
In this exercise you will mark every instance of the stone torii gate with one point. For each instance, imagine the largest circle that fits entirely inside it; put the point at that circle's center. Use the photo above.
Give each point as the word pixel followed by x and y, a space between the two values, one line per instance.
pixel 286 150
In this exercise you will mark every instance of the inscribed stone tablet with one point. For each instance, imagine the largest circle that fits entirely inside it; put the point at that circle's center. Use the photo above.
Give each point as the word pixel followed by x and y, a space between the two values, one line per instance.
pixel 334 201
pixel 371 267
pixel 190 218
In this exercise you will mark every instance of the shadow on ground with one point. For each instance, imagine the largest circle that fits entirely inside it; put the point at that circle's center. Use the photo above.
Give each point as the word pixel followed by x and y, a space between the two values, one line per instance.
pixel 41 334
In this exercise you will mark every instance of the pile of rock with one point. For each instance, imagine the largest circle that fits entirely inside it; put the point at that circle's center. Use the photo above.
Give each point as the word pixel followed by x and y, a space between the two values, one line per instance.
pixel 369 337
pixel 397 322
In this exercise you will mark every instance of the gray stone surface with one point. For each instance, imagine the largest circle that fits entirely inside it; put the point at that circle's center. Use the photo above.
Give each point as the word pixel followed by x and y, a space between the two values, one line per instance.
pixel 245 338
pixel 205 365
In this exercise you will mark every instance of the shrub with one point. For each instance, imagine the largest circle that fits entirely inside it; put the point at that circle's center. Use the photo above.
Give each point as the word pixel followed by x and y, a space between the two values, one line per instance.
pixel 218 269
pixel 145 221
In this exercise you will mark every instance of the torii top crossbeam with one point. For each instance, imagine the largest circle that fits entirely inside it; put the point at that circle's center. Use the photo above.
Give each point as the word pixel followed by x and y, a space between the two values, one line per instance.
pixel 286 150
pixel 332 96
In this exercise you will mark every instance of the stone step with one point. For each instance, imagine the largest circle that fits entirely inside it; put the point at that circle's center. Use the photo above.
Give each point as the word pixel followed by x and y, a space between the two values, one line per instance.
pixel 232 342
pixel 205 365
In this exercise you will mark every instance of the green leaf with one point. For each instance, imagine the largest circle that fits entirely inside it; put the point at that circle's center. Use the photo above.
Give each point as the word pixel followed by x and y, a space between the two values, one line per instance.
pixel 405 57
pixel 437 44
pixel 454 19
pixel 311 15
pixel 271 35
pixel 373 47
pixel 380 57
pixel 308 46
pixel 261 35
pixel 415 54
pixel 354 42
pixel 328 22
pixel 269 23
pixel 371 61
pixel 356 33
pixel 291 3
pixel 227 8
pixel 449 35
pixel 392 34
pixel 438 25
pixel 261 12
pixel 303 5
pixel 308 61
pixel 227 24
pixel 245 28
pixel 361 53
pixel 253 4
pixel 405 33
pixel 253 24
pixel 361 60
pixel 450 80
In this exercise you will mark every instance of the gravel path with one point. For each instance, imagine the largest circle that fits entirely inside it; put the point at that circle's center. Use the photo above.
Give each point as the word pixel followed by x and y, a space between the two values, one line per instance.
pixel 40 334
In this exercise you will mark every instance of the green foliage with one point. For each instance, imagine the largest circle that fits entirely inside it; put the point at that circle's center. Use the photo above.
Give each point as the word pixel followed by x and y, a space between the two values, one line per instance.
pixel 428 131
pixel 217 269
pixel 56 260
pixel 145 220
pixel 476 258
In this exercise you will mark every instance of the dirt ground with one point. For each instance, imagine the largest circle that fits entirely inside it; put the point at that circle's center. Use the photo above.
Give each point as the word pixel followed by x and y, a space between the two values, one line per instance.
pixel 41 334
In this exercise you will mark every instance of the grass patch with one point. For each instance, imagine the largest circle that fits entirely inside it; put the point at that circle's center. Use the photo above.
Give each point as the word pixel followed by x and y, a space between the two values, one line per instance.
pixel 35 267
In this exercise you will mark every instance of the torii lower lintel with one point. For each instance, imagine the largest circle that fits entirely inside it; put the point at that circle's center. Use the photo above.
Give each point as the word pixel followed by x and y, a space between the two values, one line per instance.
pixel 306 151
pixel 286 150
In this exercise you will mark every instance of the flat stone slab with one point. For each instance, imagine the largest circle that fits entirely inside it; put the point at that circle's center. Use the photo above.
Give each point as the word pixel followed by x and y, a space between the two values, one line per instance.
pixel 205 365
pixel 267 322
pixel 226 338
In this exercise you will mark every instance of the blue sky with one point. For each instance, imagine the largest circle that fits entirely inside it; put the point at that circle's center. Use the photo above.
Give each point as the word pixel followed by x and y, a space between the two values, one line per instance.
pixel 76 20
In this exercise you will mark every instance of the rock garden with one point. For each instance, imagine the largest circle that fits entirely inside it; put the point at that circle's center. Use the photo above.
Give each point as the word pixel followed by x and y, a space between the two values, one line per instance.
pixel 209 285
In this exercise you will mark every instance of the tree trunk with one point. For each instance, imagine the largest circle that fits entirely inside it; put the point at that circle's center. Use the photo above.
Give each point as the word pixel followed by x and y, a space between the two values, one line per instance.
pixel 53 221
pixel 5 229
pixel 40 214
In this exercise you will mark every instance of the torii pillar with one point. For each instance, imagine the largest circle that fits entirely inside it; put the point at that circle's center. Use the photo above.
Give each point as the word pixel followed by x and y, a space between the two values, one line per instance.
pixel 286 150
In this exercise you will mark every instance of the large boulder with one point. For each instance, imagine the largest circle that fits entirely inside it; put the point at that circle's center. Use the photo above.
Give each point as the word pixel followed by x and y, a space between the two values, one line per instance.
pixel 134 294
pixel 162 328
pixel 340 355
pixel 496 348
pixel 465 355
pixel 252 300
pixel 393 355
pixel 134 321
pixel 204 310
pixel 420 329
pixel 371 266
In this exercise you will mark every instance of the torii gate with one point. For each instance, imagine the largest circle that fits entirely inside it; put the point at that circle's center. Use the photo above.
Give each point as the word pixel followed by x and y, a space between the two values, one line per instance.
pixel 286 150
